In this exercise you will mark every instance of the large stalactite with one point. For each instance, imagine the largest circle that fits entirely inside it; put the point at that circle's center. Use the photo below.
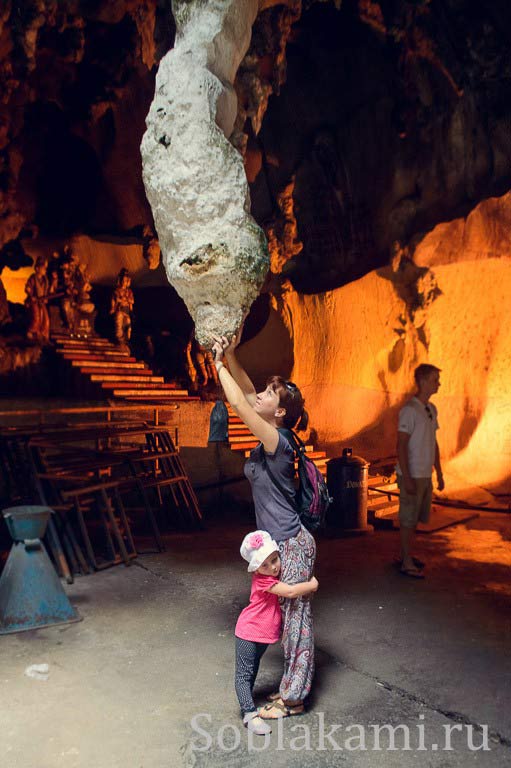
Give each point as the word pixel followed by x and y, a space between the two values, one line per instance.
pixel 214 252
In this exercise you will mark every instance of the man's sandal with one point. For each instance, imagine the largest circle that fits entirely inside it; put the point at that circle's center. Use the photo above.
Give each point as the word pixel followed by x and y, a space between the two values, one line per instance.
pixel 278 709
pixel 414 573
pixel 417 563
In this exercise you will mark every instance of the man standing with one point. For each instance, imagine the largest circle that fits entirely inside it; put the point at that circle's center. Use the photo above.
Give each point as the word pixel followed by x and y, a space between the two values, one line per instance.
pixel 418 453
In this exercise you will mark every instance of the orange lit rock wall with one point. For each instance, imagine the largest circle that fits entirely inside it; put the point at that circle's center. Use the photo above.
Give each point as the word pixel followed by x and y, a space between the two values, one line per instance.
pixel 355 348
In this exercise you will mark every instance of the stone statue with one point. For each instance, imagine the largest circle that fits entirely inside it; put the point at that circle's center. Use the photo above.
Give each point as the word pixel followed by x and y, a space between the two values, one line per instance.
pixel 190 366
pixel 77 307
pixel 151 248
pixel 200 360
pixel 121 307
pixel 84 306
pixel 208 365
pixel 70 292
pixel 53 272
pixel 37 289
pixel 5 315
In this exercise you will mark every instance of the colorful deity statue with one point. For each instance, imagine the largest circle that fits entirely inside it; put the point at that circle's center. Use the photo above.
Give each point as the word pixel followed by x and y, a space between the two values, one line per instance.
pixel 121 307
pixel 38 290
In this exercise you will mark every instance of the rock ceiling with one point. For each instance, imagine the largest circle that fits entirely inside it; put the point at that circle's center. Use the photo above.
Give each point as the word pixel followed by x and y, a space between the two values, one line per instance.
pixel 385 117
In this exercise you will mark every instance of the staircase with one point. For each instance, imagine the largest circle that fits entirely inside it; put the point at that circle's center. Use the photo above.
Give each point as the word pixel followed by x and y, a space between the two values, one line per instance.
pixel 242 439
pixel 98 368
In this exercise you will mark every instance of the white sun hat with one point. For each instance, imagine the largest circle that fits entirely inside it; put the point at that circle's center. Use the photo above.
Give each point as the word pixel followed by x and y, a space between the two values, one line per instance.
pixel 256 547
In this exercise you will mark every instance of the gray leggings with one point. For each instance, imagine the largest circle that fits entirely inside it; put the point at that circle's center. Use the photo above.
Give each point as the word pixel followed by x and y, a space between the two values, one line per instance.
pixel 248 656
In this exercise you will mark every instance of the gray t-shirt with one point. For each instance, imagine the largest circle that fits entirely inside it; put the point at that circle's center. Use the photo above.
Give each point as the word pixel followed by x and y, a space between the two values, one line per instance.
pixel 274 512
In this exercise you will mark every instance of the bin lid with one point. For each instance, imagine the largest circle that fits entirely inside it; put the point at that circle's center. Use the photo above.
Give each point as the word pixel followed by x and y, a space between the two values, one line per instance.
pixel 29 510
pixel 347 459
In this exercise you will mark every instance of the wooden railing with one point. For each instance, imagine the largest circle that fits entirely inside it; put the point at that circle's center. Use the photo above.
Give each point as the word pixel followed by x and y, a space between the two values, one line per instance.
pixel 41 416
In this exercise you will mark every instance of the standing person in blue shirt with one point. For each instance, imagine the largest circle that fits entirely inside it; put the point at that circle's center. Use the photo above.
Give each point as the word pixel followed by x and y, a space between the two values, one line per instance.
pixel 418 453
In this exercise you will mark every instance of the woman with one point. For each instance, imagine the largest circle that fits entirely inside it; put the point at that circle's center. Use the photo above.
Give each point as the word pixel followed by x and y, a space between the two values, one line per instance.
pixel 279 405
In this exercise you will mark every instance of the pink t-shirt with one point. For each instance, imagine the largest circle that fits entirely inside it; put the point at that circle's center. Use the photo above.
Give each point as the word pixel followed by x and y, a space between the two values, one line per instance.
pixel 260 621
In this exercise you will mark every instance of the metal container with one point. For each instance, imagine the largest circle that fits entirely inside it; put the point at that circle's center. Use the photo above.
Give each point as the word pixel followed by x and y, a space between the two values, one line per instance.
pixel 347 479
pixel 31 595
pixel 28 522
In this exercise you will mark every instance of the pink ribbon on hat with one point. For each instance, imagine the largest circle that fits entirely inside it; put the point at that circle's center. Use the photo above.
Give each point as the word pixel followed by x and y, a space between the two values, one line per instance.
pixel 256 541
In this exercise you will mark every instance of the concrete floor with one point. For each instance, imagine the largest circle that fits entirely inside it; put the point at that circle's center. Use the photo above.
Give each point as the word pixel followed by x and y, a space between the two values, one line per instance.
pixel 155 649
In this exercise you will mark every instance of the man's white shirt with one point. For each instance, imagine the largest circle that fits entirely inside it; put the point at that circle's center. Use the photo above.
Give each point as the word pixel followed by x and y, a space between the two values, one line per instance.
pixel 421 423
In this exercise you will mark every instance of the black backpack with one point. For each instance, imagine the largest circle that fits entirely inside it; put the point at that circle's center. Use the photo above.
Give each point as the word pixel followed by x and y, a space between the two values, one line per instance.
pixel 312 498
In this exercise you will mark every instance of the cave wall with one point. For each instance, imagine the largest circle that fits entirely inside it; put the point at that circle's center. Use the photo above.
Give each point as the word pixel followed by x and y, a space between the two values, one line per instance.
pixel 354 348
pixel 385 124
pixel 77 79
pixel 381 169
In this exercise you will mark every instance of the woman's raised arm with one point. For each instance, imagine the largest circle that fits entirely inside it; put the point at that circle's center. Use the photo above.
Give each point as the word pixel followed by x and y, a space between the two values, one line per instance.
pixel 241 405
pixel 238 373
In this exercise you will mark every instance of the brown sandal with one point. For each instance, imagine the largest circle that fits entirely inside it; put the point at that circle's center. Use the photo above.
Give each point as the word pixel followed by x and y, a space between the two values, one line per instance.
pixel 417 563
pixel 278 709
pixel 414 573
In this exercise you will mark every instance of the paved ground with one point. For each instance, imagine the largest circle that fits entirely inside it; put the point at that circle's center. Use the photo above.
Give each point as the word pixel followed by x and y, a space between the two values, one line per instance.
pixel 155 650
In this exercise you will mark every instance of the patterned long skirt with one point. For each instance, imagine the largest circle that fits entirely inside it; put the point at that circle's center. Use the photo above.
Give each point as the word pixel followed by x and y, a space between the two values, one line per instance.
pixel 297 557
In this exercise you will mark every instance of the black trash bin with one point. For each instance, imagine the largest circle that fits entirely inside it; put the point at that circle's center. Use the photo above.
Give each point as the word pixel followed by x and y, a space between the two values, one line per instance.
pixel 347 478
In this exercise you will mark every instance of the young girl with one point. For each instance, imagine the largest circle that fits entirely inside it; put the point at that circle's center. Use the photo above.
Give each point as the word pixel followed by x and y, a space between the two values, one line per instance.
pixel 260 622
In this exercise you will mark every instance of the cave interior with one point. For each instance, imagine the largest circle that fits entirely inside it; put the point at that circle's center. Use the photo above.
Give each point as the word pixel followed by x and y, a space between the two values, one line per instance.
pixel 377 148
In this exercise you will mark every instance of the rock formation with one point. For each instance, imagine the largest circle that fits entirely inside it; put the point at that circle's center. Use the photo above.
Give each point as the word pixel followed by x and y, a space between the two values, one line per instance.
pixel 394 181
pixel 444 300
pixel 72 77
pixel 380 124
pixel 214 253
pixel 5 315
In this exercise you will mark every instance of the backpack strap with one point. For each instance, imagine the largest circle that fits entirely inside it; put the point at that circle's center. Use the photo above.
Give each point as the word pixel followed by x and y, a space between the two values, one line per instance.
pixel 296 443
